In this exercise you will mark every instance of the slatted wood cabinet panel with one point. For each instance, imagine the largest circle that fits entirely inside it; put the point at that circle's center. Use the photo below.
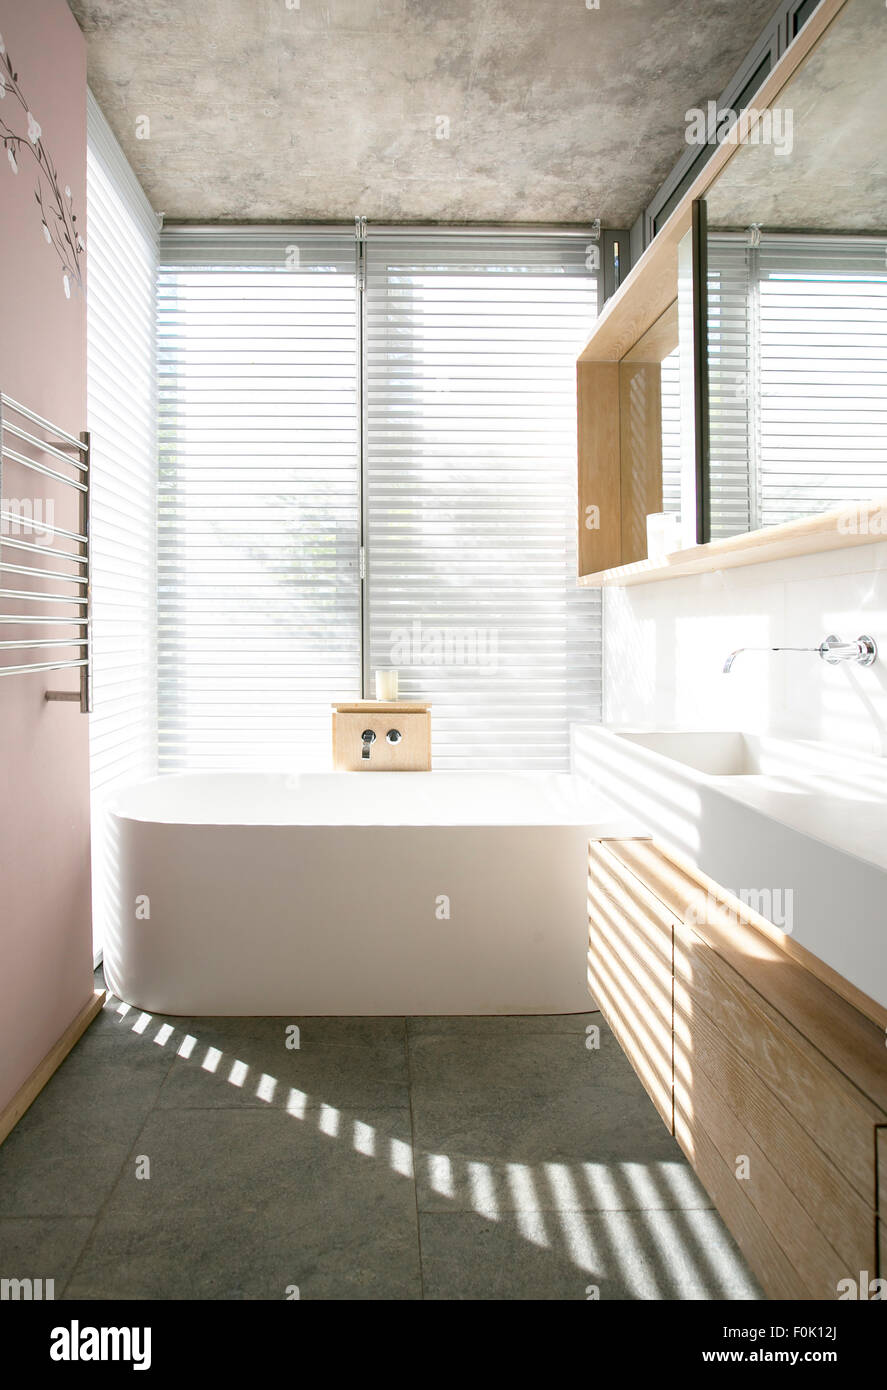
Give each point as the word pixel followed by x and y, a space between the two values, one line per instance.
pixel 773 1084
pixel 630 969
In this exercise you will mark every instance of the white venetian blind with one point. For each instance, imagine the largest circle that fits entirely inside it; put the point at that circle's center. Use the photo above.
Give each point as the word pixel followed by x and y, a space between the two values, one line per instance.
pixel 259 514
pixel 734 461
pixel 471 345
pixel 798 366
pixel 670 386
pixel 122 254
pixel 823 371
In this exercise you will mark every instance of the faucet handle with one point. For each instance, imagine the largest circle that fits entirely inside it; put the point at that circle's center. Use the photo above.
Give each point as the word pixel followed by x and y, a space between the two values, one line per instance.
pixel 863 651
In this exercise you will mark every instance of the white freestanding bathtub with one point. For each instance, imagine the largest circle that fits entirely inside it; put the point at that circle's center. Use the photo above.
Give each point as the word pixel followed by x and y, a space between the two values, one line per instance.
pixel 349 893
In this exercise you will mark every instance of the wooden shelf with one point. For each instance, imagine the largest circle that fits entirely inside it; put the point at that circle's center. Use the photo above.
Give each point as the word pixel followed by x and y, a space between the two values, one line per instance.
pixel 381 706
pixel 810 536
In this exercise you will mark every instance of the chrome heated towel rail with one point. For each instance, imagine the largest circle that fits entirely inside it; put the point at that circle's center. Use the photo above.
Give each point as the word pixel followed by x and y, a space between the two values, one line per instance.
pixel 35 444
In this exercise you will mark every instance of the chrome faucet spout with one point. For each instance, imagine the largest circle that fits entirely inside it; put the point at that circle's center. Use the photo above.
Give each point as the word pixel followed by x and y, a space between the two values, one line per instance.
pixel 832 650
pixel 367 739
pixel 728 664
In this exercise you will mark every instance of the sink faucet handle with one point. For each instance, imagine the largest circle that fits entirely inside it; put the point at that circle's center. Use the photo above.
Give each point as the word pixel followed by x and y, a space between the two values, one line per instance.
pixel 863 651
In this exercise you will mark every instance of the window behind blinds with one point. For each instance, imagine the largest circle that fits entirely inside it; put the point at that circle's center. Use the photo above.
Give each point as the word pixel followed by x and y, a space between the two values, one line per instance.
pixel 798 366
pixel 122 250
pixel 670 386
pixel 823 366
pixel 734 461
pixel 471 345
pixel 259 515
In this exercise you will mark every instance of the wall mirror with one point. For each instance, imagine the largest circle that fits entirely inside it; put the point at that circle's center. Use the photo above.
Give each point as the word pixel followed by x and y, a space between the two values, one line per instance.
pixel 796 302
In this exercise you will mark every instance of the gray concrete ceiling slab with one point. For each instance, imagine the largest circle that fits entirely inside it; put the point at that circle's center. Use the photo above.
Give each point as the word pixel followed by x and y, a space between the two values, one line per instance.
pixel 408 110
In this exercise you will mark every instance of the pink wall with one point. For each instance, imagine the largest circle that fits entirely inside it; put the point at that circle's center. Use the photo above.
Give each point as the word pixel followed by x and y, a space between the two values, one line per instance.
pixel 45 946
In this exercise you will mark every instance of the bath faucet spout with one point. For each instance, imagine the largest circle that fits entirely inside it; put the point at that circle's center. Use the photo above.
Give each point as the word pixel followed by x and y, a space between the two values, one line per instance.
pixel 367 739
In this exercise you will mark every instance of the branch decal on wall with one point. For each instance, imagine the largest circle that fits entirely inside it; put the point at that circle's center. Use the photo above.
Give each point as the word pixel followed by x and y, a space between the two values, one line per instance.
pixel 57 217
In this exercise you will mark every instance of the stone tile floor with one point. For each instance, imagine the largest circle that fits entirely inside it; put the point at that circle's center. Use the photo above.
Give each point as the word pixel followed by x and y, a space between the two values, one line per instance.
pixel 437 1158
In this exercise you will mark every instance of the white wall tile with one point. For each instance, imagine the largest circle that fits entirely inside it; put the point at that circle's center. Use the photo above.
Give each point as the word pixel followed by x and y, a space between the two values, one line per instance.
pixel 665 644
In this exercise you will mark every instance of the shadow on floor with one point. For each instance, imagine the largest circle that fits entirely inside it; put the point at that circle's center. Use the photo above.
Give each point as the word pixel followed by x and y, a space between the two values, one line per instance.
pixel 469 1158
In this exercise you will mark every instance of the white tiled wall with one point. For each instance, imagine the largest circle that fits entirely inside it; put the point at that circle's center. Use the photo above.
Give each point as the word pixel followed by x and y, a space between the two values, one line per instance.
pixel 665 644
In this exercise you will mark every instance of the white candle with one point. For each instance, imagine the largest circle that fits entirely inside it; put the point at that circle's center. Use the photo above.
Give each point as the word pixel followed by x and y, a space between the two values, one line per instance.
pixel 386 685
pixel 663 535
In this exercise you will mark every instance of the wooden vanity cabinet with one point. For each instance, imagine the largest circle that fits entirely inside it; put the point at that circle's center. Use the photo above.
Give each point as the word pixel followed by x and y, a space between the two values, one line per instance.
pixel 773 1084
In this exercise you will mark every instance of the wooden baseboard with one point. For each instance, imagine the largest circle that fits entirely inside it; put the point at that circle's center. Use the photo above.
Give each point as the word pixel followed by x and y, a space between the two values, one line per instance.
pixel 10 1116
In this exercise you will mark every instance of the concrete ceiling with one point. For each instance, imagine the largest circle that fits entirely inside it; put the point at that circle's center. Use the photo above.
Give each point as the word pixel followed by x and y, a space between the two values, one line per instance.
pixel 408 110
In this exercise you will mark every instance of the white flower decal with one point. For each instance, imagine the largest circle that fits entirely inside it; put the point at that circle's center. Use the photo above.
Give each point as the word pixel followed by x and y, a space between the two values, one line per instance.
pixel 58 219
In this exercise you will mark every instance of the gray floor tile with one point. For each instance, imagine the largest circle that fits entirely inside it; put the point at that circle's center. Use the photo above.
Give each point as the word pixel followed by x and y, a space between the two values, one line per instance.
pixel 538 1114
pixel 65 1153
pixel 621 1255
pixel 493 1184
pixel 248 1067
pixel 256 1254
pixel 541 1167
pixel 41 1247
pixel 528 1064
pixel 241 1204
pixel 467 1136
pixel 130 1033
pixel 482 1025
pixel 206 1161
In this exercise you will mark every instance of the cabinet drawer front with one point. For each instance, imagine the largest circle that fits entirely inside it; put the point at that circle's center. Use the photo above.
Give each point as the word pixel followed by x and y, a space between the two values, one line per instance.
pixel 710 995
pixel 778 1185
pixel 770 1264
pixel 629 974
pixel 821 1187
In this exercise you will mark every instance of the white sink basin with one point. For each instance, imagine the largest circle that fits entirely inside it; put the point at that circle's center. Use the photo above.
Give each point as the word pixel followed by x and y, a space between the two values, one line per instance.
pixel 797 826
pixel 806 766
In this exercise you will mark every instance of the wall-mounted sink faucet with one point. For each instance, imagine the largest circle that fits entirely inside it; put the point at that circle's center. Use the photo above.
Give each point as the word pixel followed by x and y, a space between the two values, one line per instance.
pixel 863 651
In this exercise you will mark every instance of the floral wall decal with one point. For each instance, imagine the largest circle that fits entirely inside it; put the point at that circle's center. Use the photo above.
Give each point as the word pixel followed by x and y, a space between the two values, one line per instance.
pixel 58 219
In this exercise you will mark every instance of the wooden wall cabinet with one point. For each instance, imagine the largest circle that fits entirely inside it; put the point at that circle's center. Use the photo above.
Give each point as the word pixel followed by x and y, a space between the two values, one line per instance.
pixel 774 1086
